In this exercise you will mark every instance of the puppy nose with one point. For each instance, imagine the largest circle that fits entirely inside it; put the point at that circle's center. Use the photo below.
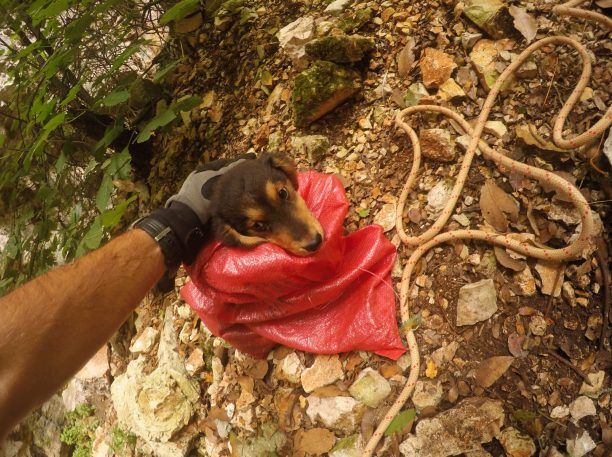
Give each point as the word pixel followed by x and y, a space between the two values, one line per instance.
pixel 315 243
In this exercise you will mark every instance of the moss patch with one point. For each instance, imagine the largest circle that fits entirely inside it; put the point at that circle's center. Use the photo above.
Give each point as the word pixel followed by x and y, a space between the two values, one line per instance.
pixel 340 48
pixel 320 89
pixel 79 430
pixel 354 21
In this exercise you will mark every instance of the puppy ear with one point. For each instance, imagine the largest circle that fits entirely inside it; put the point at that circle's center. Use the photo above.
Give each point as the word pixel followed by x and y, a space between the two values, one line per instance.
pixel 230 237
pixel 285 164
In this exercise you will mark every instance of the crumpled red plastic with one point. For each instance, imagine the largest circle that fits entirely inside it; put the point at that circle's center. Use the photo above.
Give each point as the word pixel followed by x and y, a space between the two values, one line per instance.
pixel 337 300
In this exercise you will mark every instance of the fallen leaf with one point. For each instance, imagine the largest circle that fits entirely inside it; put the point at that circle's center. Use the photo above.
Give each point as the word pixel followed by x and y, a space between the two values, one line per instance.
pixel 504 258
pixel 316 441
pixel 495 204
pixel 400 421
pixel 524 23
pixel 515 345
pixel 398 98
pixel 492 369
pixel 431 371
pixel 405 58
pixel 530 136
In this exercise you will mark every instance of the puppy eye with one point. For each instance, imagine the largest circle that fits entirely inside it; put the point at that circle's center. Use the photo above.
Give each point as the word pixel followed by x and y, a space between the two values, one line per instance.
pixel 283 194
pixel 259 226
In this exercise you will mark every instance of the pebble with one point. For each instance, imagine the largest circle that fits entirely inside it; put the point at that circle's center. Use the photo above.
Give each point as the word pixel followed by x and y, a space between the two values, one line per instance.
pixel 437 144
pixel 145 341
pixel 325 370
pixel 580 445
pixel 515 443
pixel 370 388
pixel 427 394
pixel 386 217
pixel 290 368
pixel 195 362
pixel 338 413
pixel 477 302
pixel 560 412
pixel 525 281
pixel 436 67
pixel 438 196
pixel 581 407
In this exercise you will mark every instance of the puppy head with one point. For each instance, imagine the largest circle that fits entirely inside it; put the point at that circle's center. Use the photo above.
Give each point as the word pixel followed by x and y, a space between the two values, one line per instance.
pixel 257 201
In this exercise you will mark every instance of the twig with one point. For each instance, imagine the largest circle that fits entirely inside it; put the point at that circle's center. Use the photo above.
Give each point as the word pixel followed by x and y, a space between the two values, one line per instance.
pixel 605 275
pixel 569 364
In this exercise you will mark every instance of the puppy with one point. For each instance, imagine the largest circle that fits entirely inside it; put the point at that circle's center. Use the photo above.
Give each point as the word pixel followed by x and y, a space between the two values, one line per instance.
pixel 257 202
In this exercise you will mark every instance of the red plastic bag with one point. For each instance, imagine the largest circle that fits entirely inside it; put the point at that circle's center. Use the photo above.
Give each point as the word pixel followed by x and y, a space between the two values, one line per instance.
pixel 337 300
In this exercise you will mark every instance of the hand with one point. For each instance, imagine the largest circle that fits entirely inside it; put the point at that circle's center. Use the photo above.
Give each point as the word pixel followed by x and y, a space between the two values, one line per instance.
pixel 181 226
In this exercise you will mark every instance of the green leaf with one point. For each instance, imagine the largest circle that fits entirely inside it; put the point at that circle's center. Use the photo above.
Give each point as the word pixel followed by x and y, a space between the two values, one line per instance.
pixel 60 162
pixel 104 192
pixel 120 165
pixel 114 98
pixel 125 55
pixel 92 238
pixel 2 138
pixel 179 11
pixel 411 323
pixel 160 120
pixel 161 74
pixel 76 29
pixel 54 122
pixel 363 212
pixel 186 103
pixel 90 166
pixel 111 133
pixel 400 421
pixel 72 93
pixel 51 11
pixel 113 216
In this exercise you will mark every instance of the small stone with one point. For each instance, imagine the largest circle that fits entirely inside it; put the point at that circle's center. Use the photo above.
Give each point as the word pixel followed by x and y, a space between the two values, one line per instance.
pixel 525 281
pixel 370 388
pixel 436 144
pixel 340 48
pixel 560 412
pixel 96 367
pixel 460 429
pixel 404 361
pixel 594 386
pixel 445 354
pixel 492 16
pixel 496 128
pixel 290 368
pixel 415 93
pixel 491 369
pixel 468 40
pixel 537 325
pixel 551 274
pixel 581 407
pixel 568 293
pixel 325 370
pixel 386 217
pixel 528 70
pixel 515 443
pixel 580 445
pixel 474 259
pixel 195 362
pixel 337 6
pixel 483 58
pixel 320 89
pixel 312 146
pixel 427 394
pixel 436 67
pixel 450 90
pixel 477 302
pixel 438 196
pixel 462 219
pixel 338 413
pixel 293 38
pixel 145 341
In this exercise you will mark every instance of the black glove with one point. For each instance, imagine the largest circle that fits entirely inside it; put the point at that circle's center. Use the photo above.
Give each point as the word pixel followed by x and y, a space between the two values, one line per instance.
pixel 181 227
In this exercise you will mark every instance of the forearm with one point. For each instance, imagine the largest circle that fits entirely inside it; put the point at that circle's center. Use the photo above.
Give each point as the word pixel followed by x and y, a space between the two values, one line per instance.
pixel 52 325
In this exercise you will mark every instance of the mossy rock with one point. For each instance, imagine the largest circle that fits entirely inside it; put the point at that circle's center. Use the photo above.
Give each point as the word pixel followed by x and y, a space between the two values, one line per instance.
pixel 492 16
pixel 354 21
pixel 321 88
pixel 340 48
pixel 143 93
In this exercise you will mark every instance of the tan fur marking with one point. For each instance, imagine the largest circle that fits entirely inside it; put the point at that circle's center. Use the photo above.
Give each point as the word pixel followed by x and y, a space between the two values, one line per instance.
pixel 243 239
pixel 255 214
pixel 302 213
pixel 271 191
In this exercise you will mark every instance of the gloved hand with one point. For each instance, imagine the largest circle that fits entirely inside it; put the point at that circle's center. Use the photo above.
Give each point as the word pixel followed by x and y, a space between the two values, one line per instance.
pixel 181 226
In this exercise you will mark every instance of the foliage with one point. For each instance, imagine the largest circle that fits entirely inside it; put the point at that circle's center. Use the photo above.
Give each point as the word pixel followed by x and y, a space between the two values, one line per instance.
pixel 120 440
pixel 400 421
pixel 69 121
pixel 79 430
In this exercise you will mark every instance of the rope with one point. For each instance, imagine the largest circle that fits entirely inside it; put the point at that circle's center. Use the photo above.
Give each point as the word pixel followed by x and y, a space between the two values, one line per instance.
pixel 432 236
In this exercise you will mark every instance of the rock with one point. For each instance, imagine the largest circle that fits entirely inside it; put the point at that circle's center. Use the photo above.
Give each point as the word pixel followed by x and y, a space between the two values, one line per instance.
pixel 438 196
pixel 445 354
pixel 312 146
pixel 427 394
pixel 415 93
pixel 386 217
pixel 80 391
pixel 525 281
pixel 461 429
pixel 492 16
pixel 97 367
pixel 195 362
pixel 593 388
pixel 269 441
pixel 316 441
pixel 580 445
pixel 468 40
pixel 528 70
pixel 491 369
pixel 496 128
pixel 340 48
pixel 436 144
pixel 338 413
pixel 46 426
pixel 551 274
pixel 559 412
pixel 145 341
pixel 370 388
pixel 436 67
pixel 478 453
pixel 450 90
pixel 515 443
pixel 10 448
pixel 290 368
pixel 581 407
pixel 337 6
pixel 483 58
pixel 355 20
pixel 320 89
pixel 537 325
pixel 477 302
pixel 293 38
pixel 325 370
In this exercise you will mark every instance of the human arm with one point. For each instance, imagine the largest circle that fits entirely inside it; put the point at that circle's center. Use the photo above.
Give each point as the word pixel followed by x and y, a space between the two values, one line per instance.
pixel 53 324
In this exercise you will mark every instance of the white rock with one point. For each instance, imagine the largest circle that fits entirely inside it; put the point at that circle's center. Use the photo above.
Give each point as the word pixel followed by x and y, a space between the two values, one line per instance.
pixel 438 196
pixel 525 281
pixel 314 147
pixel 386 217
pixel 338 413
pixel 290 368
pixel 497 128
pixel 96 367
pixel 293 38
pixel 593 387
pixel 582 407
pixel 462 219
pixel 145 341
pixel 477 302
pixel 426 394
pixel 515 443
pixel 580 445
pixel 370 388
pixel 559 412
pixel 537 324
pixel 337 6
pixel 445 354
pixel 195 362
pixel 325 370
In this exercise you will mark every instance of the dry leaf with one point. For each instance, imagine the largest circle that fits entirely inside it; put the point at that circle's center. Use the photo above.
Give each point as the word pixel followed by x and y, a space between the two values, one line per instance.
pixel 529 135
pixel 604 3
pixel 405 58
pixel 524 23
pixel 492 369
pixel 495 204
pixel 431 371
pixel 504 258
pixel 398 98
pixel 315 441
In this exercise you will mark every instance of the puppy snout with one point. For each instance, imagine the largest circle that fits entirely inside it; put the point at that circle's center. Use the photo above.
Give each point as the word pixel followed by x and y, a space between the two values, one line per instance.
pixel 314 243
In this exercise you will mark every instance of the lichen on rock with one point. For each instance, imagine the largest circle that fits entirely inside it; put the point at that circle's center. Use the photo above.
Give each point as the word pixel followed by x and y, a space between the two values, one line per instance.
pixel 340 48
pixel 320 89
